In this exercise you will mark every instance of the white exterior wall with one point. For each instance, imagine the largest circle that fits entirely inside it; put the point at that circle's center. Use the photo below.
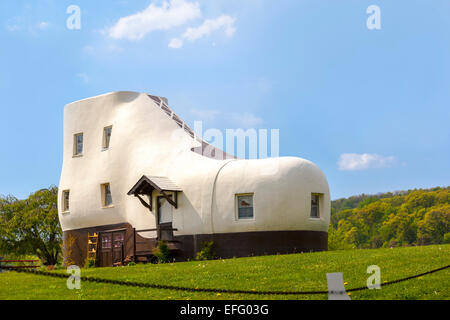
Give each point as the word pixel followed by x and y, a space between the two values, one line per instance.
pixel 146 141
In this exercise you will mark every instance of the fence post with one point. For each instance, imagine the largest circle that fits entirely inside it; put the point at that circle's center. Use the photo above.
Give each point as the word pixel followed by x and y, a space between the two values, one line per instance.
pixel 134 245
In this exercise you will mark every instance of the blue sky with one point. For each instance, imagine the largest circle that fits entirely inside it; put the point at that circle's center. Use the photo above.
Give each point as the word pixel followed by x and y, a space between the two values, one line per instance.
pixel 369 107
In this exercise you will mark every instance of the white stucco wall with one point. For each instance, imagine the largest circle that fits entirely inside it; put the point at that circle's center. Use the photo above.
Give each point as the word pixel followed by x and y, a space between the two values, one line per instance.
pixel 146 141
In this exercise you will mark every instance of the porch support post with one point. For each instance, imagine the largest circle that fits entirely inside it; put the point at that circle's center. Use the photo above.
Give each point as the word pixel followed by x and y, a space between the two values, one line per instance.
pixel 134 245
pixel 145 204
pixel 174 203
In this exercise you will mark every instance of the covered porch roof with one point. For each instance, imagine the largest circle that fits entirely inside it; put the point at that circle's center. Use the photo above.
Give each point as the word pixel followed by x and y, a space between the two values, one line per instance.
pixel 147 184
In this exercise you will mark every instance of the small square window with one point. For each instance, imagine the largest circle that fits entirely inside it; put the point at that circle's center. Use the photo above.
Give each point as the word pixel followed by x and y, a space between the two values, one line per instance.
pixel 65 200
pixel 106 195
pixel 106 137
pixel 245 206
pixel 119 239
pixel 78 144
pixel 315 205
pixel 106 241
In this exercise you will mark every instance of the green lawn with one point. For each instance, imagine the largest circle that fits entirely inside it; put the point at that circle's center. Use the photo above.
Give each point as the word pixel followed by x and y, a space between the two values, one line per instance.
pixel 301 272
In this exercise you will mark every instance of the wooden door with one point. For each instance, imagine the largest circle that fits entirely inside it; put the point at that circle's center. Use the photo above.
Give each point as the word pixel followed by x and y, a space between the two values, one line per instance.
pixel 118 247
pixel 106 259
pixel 165 218
pixel 112 246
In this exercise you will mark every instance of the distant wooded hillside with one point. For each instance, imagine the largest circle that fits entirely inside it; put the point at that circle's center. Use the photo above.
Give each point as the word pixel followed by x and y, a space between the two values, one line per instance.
pixel 413 217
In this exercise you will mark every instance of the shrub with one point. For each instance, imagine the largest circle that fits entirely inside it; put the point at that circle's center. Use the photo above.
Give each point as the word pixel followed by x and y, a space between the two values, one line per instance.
pixel 447 237
pixel 90 263
pixel 161 252
pixel 207 251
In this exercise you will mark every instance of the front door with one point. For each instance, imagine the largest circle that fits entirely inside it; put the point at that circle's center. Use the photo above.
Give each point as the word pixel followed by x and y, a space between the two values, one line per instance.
pixel 165 218
pixel 118 247
pixel 111 248
pixel 105 250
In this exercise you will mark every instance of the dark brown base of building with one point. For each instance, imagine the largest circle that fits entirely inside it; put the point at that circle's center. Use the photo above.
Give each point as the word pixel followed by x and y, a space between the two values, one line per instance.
pixel 186 247
pixel 247 244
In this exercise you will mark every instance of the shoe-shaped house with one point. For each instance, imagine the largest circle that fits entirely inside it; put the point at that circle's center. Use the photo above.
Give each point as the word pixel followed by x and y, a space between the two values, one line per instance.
pixel 134 173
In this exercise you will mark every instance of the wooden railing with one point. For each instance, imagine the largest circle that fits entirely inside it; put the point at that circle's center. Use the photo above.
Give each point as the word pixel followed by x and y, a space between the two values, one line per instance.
pixel 152 243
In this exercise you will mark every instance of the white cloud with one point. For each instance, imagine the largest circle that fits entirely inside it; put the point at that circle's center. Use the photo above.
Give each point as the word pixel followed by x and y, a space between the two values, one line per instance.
pixel 224 22
pixel 175 43
pixel 354 162
pixel 170 14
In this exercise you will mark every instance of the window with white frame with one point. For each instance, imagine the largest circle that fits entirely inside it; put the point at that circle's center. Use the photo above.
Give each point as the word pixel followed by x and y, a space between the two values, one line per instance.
pixel 315 205
pixel 65 200
pixel 244 206
pixel 106 195
pixel 78 144
pixel 106 137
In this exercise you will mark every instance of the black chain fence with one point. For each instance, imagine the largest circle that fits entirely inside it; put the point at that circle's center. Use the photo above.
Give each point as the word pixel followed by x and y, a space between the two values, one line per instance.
pixel 207 290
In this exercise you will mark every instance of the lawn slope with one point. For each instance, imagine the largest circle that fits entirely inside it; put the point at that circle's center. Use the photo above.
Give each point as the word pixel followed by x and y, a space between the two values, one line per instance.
pixel 300 272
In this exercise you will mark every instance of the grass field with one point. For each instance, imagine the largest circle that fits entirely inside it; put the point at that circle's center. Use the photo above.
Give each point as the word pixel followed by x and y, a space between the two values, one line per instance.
pixel 300 272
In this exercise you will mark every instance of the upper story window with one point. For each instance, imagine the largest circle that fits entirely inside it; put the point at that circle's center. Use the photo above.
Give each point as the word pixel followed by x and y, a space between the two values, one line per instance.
pixel 78 144
pixel 106 195
pixel 315 205
pixel 106 137
pixel 245 207
pixel 65 200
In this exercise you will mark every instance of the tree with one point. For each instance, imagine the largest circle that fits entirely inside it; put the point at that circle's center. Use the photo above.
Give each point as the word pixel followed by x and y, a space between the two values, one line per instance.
pixel 337 240
pixel 435 225
pixel 420 199
pixel 31 226
pixel 399 227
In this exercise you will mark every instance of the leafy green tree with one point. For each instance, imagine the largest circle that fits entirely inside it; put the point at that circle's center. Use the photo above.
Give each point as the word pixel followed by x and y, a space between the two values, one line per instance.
pixel 340 216
pixel 31 226
pixel 337 240
pixel 399 227
pixel 435 225
pixel 366 202
pixel 419 199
